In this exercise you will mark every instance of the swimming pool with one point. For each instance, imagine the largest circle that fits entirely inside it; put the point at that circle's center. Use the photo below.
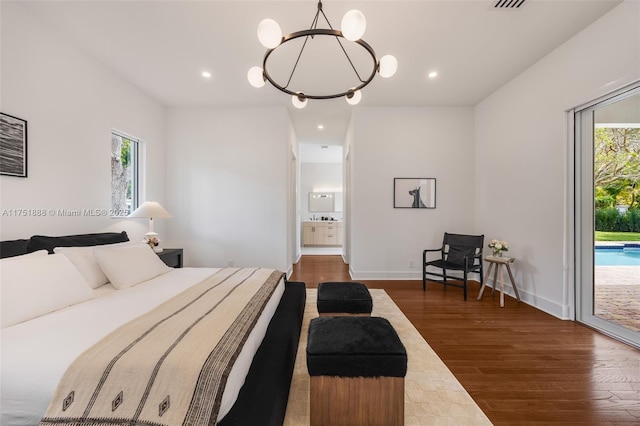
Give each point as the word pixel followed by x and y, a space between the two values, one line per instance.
pixel 627 255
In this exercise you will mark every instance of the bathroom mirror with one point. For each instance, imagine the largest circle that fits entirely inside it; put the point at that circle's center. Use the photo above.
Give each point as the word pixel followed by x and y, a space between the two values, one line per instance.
pixel 322 201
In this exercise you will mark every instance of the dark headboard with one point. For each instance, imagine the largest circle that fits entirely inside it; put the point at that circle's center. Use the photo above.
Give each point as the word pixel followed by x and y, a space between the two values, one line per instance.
pixel 13 248
pixel 44 242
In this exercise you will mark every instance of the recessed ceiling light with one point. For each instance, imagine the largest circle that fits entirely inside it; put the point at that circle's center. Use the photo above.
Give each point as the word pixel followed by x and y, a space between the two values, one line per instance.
pixel 206 74
pixel 433 74
pixel 320 126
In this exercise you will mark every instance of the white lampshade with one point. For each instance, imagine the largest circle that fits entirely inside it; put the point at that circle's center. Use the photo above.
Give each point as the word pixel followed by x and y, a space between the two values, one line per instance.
pixel 297 102
pixel 388 66
pixel 150 209
pixel 355 99
pixel 353 25
pixel 255 77
pixel 269 33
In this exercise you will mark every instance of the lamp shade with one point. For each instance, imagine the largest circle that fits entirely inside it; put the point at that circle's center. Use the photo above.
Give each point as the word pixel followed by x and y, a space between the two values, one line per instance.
pixel 355 98
pixel 150 209
pixel 353 25
pixel 388 66
pixel 269 33
pixel 299 101
pixel 256 77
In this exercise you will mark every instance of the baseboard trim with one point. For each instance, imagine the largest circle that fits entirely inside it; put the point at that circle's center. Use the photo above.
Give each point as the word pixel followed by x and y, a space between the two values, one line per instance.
pixel 545 305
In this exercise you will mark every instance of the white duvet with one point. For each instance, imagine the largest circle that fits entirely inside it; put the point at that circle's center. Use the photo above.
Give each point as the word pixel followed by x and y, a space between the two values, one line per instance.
pixel 36 353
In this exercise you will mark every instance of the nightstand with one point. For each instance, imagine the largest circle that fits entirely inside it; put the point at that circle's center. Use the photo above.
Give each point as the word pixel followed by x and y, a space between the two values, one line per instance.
pixel 171 257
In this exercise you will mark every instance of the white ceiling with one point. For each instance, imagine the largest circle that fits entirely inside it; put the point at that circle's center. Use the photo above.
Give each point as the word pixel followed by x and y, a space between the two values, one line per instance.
pixel 162 47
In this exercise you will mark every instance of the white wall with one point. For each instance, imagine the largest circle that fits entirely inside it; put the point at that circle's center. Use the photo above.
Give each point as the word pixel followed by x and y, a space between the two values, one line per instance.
pixel 521 145
pixel 227 185
pixel 293 250
pixel 347 188
pixel 389 143
pixel 71 103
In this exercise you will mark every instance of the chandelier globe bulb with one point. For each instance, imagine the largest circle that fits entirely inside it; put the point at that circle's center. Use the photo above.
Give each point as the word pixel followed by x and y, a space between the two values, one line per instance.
pixel 256 77
pixel 388 66
pixel 354 97
pixel 269 33
pixel 353 25
pixel 299 101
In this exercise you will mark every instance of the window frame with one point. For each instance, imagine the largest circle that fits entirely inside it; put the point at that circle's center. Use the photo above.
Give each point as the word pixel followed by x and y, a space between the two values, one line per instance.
pixel 136 176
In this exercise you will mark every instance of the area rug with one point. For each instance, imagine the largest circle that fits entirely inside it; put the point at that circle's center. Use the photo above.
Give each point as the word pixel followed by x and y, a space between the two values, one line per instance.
pixel 433 396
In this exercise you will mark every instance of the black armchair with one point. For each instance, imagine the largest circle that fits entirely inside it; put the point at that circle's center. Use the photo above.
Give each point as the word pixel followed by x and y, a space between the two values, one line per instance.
pixel 458 253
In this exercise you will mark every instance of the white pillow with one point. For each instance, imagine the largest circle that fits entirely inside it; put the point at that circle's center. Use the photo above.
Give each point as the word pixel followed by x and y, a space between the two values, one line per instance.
pixel 35 285
pixel 86 263
pixel 126 266
pixel 38 253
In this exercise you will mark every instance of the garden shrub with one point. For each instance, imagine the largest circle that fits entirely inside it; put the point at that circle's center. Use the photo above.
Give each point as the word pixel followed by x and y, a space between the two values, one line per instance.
pixel 611 220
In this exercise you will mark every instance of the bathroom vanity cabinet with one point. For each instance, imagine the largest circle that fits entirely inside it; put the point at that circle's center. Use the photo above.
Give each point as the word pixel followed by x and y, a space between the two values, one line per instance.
pixel 322 233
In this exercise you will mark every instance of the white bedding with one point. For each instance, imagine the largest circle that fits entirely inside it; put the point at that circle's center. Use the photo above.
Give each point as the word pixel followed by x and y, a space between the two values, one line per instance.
pixel 36 353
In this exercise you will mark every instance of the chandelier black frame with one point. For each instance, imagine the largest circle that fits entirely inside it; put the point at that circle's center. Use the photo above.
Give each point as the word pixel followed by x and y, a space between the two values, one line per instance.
pixel 312 32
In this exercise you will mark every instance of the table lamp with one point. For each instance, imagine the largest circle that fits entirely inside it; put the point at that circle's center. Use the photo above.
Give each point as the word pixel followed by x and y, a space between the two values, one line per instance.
pixel 151 210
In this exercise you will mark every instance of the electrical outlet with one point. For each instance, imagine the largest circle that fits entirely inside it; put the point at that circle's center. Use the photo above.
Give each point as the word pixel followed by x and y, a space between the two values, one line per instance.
pixel 230 263
pixel 411 264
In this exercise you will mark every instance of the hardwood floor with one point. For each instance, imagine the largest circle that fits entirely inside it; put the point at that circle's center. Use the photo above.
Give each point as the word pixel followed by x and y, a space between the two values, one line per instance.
pixel 520 365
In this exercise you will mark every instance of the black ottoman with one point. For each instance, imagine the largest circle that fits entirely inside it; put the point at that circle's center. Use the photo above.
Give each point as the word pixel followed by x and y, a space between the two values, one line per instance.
pixel 343 298
pixel 357 367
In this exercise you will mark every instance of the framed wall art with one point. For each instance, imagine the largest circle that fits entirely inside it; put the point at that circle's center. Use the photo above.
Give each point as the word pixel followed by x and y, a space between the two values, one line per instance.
pixel 13 146
pixel 414 193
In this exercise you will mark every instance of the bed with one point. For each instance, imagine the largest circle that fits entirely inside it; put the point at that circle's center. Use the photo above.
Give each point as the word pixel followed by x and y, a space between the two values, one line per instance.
pixel 41 339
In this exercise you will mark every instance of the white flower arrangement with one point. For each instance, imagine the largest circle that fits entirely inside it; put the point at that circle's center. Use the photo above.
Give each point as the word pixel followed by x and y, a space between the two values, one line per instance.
pixel 498 246
pixel 152 241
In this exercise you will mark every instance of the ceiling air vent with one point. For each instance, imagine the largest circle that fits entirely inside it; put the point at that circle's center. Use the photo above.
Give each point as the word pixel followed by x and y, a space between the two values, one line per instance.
pixel 508 4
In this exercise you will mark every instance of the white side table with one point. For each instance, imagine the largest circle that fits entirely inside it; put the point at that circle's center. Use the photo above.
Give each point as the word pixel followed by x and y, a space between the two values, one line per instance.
pixel 498 262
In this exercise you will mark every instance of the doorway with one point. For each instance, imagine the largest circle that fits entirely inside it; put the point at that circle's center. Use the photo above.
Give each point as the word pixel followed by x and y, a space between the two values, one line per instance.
pixel 321 199
pixel 607 213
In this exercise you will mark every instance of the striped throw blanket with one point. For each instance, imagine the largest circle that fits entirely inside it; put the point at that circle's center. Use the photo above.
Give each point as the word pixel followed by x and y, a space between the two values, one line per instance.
pixel 169 366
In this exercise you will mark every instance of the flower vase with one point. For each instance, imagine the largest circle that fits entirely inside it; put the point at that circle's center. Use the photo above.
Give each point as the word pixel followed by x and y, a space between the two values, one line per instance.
pixel 497 253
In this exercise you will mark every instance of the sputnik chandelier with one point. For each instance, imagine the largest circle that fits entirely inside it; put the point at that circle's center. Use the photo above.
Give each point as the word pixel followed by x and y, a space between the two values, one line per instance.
pixel 353 26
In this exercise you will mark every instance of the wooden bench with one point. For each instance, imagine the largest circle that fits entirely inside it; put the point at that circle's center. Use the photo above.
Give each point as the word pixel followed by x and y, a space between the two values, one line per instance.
pixel 357 367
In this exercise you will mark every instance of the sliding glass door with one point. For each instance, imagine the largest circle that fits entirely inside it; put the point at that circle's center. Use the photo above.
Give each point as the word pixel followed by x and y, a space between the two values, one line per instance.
pixel 607 212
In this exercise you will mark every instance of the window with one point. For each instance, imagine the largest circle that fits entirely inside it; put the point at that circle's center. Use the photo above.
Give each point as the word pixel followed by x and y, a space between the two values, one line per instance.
pixel 124 174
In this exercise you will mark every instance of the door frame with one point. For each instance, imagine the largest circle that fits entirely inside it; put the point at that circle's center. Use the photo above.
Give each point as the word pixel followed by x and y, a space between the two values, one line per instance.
pixel 580 208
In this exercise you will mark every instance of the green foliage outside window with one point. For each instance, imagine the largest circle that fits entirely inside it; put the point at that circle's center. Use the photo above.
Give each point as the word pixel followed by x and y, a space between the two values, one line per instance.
pixel 617 167
pixel 123 174
pixel 617 179
pixel 611 220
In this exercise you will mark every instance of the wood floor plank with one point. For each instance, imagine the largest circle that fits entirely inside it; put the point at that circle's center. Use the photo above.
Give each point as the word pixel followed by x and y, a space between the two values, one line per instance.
pixel 521 365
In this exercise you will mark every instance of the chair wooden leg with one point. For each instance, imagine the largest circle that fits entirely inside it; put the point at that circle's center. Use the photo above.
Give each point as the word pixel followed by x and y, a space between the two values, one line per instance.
pixel 464 286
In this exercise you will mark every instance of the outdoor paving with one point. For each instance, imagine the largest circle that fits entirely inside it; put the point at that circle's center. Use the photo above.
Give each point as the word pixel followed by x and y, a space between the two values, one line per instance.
pixel 617 295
